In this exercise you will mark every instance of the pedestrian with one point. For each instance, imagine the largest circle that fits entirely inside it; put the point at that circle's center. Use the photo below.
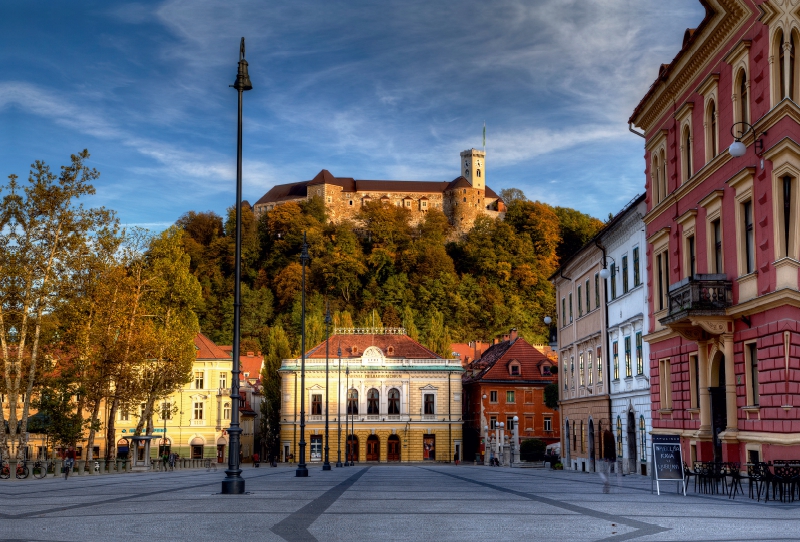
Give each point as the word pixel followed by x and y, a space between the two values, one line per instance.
pixel 241 456
pixel 455 458
pixel 165 460
pixel 255 460
pixel 68 456
pixel 609 457
pixel 172 458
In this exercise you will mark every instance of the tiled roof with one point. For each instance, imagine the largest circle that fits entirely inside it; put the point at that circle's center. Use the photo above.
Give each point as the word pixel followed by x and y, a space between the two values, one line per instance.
pixel 434 187
pixel 206 349
pixel 494 362
pixel 403 347
pixel 458 182
pixel 249 362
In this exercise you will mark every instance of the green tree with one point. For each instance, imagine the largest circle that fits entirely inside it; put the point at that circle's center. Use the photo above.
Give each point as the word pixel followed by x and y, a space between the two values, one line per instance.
pixel 276 349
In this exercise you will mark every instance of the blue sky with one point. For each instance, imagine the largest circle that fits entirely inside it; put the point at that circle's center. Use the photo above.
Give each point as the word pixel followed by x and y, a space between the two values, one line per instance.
pixel 366 89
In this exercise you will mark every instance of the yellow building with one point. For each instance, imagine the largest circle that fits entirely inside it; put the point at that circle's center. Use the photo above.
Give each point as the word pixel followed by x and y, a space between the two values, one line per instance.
pixel 404 401
pixel 199 414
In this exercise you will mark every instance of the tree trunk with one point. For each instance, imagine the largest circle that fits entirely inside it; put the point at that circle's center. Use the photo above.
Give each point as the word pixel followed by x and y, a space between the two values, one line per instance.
pixel 111 444
pixel 90 439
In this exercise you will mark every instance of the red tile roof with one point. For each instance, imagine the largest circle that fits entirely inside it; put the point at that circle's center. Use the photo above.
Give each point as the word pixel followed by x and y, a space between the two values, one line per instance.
pixel 403 347
pixel 206 349
pixel 495 361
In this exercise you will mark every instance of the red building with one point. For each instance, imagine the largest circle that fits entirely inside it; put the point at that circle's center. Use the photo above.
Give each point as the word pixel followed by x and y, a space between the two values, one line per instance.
pixel 723 229
pixel 508 380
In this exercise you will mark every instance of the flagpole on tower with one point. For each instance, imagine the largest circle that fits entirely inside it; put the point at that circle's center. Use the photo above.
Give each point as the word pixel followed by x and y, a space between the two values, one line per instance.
pixel 484 137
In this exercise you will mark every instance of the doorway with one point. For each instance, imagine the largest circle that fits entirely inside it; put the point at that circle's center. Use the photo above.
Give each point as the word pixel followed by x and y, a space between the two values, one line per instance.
pixel 316 447
pixel 566 443
pixel 373 448
pixel 352 448
pixel 592 466
pixel 220 453
pixel 719 407
pixel 429 447
pixel 631 434
pixel 393 449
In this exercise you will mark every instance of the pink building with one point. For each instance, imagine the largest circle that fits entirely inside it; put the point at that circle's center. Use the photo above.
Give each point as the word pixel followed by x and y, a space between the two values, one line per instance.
pixel 723 225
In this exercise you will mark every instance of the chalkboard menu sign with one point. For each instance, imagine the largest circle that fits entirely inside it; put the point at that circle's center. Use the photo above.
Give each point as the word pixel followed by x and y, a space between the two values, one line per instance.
pixel 668 459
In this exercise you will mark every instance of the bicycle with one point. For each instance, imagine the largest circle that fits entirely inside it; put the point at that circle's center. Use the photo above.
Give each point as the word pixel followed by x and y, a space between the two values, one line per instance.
pixel 40 469
pixel 211 466
pixel 21 471
pixel 68 463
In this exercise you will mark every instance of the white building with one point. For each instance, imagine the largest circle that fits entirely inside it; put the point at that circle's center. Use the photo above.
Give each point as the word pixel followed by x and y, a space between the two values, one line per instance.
pixel 625 245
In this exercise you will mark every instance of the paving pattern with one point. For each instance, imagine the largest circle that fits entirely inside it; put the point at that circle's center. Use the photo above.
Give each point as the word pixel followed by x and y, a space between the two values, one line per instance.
pixel 364 503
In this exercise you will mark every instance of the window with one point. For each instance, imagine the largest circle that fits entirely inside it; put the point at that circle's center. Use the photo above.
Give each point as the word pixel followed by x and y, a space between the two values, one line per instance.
pixel 751 359
pixel 493 396
pixel 316 404
pixel 690 256
pixel 590 375
pixel 637 277
pixel 743 104
pixel 394 401
pixel 372 401
pixel 662 269
pixel 642 438
pixel 198 411
pixel 785 219
pixel 429 408
pixel 226 411
pixel 615 353
pixel 529 395
pixel 198 380
pixel 352 402
pixel 665 383
pixel 599 366
pixel 694 381
pixel 580 368
pixel 597 290
pixel 613 280
pixel 513 369
pixel 639 354
pixel 717 233
pixel 566 384
pixel 572 369
pixel 570 307
pixel 142 408
pixel 619 437
pixel 529 423
pixel 749 240
pixel 625 274
pixel 563 311
pixel 493 422
pixel 711 124
pixel 580 302
pixel 510 423
pixel 510 397
pixel 223 380
pixel 628 369
pixel 124 415
pixel 548 423
pixel 166 411
pixel 588 306
pixel 686 141
pixel 478 172
pixel 583 438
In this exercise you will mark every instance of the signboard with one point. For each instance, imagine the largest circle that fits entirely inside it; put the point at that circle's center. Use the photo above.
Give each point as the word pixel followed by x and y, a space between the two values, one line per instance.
pixel 668 460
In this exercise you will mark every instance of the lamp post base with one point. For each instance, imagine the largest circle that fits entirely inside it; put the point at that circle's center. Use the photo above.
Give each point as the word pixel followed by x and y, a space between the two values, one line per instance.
pixel 326 466
pixel 301 472
pixel 233 486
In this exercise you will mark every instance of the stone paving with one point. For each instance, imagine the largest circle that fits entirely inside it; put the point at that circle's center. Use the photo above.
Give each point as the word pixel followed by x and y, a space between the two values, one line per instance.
pixel 364 503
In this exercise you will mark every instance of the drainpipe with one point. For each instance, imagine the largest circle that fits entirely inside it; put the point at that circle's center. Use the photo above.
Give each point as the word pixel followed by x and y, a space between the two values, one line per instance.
pixel 449 416
pixel 294 438
pixel 607 361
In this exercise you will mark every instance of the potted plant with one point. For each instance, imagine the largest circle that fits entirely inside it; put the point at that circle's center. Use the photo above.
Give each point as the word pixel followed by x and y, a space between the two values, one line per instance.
pixel 558 466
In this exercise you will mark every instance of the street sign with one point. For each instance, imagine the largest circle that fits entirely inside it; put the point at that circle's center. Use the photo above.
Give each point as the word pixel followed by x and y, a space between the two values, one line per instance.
pixel 668 460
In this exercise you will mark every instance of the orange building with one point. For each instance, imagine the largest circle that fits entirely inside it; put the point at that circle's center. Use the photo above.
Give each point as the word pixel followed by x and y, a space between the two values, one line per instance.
pixel 507 381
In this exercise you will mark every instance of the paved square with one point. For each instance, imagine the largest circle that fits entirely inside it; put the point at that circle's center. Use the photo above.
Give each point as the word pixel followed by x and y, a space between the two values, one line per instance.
pixel 408 502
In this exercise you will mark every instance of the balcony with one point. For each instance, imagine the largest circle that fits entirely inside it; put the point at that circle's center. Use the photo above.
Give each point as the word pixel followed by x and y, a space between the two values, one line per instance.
pixel 699 295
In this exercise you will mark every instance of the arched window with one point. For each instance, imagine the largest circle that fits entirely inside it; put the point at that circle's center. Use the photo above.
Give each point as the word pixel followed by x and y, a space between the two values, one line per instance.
pixel 743 98
pixel 663 175
pixel 781 65
pixel 711 123
pixel 655 182
pixel 372 401
pixel 583 438
pixel 226 411
pixel 479 173
pixel 619 437
pixel 394 401
pixel 687 154
pixel 352 402
pixel 791 66
pixel 643 438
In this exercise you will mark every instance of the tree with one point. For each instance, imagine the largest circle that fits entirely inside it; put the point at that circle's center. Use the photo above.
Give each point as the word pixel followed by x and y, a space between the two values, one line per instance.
pixel 276 349
pixel 576 229
pixel 551 396
pixel 512 195
pixel 46 230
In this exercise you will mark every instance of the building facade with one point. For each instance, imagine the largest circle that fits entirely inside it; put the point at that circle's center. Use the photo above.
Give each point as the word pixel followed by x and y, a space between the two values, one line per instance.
pixel 390 399
pixel 582 344
pixel 508 381
pixel 722 231
pixel 625 243
pixel 462 200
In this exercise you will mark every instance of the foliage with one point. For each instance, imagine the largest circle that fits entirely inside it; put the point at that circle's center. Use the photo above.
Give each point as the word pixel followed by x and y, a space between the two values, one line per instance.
pixel 532 449
pixel 276 349
pixel 551 396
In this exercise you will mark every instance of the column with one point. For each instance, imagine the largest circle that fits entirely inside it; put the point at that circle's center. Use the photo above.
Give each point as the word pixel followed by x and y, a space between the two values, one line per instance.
pixel 705 395
pixel 787 71
pixel 730 384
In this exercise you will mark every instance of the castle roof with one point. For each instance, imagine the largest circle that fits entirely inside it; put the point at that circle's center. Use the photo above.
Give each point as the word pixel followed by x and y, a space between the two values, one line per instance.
pixel 353 346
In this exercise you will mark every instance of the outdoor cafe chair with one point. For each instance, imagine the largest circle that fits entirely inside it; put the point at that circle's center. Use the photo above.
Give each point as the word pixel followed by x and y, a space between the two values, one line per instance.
pixel 756 478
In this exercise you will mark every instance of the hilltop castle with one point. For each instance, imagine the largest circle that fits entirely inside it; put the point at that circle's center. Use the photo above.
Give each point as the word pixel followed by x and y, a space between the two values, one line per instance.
pixel 462 200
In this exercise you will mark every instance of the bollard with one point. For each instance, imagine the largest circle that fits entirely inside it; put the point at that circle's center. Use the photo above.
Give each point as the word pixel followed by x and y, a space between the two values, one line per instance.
pixel 81 465
pixel 12 468
pixel 103 467
pixel 58 466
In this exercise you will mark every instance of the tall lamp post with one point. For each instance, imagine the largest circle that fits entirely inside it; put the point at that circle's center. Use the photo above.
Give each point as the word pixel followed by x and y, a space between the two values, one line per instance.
pixel 302 470
pixel 233 484
pixel 339 411
pixel 347 416
pixel 327 465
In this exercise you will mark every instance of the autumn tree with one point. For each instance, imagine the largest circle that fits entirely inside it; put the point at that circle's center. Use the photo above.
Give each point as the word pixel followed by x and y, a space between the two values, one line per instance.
pixel 276 349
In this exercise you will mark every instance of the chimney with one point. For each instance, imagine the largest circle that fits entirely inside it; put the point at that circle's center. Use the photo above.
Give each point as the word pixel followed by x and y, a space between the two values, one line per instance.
pixel 513 334
pixel 495 340
pixel 506 337
pixel 250 354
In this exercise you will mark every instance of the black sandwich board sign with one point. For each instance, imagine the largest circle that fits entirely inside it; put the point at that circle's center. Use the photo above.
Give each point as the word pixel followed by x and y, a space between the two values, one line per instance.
pixel 668 460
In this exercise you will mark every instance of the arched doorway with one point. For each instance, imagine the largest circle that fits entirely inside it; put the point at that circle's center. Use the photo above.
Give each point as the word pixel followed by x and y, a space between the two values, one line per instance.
pixel 164 446
pixel 373 448
pixel 591 446
pixel 393 448
pixel 566 443
pixel 221 442
pixel 122 449
pixel 719 407
pixel 352 448
pixel 196 445
pixel 631 435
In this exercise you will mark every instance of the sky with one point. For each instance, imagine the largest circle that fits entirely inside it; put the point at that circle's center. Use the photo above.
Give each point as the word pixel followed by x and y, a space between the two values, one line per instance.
pixel 381 89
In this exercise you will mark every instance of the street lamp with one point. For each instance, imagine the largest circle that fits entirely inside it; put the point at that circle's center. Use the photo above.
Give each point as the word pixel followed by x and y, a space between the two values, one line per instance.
pixel 326 465
pixel 605 273
pixel 738 148
pixel 548 320
pixel 302 470
pixel 233 484
pixel 347 415
pixel 339 412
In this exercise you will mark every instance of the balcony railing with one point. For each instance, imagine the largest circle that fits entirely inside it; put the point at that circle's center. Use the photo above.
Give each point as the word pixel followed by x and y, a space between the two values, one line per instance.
pixel 707 295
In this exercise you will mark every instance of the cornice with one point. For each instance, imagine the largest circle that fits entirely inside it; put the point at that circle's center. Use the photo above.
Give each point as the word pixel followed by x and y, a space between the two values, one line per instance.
pixel 656 139
pixel 715 194
pixel 785 144
pixel 731 16
pixel 785 296
pixel 623 231
pixel 691 214
pixel 657 236
pixel 708 84
pixel 738 52
pixel 744 174
pixel 684 111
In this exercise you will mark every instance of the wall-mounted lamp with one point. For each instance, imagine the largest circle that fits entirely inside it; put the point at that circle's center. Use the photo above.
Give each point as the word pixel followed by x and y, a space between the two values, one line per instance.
pixel 738 148
pixel 605 273
pixel 548 320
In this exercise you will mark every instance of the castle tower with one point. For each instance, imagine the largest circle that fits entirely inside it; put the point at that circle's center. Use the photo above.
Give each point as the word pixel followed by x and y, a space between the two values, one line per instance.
pixel 473 167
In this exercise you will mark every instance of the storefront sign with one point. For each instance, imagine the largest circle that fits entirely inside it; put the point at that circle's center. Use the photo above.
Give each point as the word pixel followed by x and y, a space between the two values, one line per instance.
pixel 668 460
